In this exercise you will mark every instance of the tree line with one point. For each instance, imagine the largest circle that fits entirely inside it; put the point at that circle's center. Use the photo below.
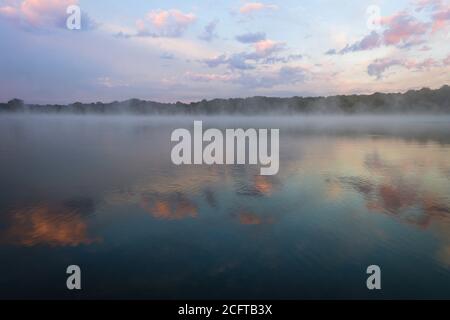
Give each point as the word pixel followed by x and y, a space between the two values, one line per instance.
pixel 413 101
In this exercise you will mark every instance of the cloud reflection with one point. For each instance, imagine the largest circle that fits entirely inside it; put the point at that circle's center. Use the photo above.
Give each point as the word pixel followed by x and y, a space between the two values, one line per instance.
pixel 50 224
pixel 260 186
pixel 174 206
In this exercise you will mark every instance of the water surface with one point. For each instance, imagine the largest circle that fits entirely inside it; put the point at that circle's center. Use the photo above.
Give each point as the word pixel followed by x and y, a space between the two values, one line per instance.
pixel 102 193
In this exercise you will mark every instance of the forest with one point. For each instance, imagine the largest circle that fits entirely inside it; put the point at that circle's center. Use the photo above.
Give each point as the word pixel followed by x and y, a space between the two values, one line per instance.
pixel 423 101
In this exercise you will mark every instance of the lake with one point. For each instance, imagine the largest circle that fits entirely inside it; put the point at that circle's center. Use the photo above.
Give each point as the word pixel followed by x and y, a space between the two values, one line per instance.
pixel 101 192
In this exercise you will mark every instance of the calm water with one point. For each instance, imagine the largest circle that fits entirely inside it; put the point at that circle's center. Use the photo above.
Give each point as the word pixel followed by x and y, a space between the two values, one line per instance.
pixel 101 192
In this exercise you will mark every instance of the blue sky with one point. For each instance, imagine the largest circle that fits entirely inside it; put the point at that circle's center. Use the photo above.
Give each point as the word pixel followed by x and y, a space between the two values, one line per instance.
pixel 193 50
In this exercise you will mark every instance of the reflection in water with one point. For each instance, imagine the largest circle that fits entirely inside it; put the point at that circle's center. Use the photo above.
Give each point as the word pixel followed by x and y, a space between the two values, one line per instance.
pixel 396 199
pixel 210 197
pixel 264 185
pixel 261 186
pixel 174 206
pixel 249 218
pixel 344 198
pixel 53 225
pixel 361 185
pixel 398 187
pixel 408 187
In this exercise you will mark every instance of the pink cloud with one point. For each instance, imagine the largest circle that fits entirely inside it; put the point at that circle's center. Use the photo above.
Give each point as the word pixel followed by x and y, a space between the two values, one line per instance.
pixel 440 12
pixel 446 61
pixel 264 52
pixel 37 13
pixel 256 6
pixel 400 29
pixel 379 66
pixel 265 47
pixel 403 29
pixel 441 19
pixel 165 23
pixel 161 18
pixel 425 64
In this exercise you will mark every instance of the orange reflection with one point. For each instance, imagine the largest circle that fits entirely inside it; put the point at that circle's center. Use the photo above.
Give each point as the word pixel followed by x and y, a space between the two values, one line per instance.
pixel 263 185
pixel 248 218
pixel 172 207
pixel 395 197
pixel 161 210
pixel 50 225
pixel 405 180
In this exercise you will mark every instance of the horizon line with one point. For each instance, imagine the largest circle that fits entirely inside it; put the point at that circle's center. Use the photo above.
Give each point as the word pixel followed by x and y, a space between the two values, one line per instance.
pixel 232 98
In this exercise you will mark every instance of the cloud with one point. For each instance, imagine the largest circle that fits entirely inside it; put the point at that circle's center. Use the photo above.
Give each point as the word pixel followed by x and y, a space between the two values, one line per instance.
pixel 371 41
pixel 209 31
pixel 285 59
pixel 446 61
pixel 165 23
pixel 38 13
pixel 425 64
pixel 379 66
pixel 402 29
pixel 216 61
pixel 239 61
pixel 251 37
pixel 234 61
pixel 440 12
pixel 254 80
pixel 251 7
pixel 427 4
pixel 425 48
pixel 265 48
pixel 207 77
pixel 441 19
pixel 107 82
pixel 292 74
pixel 167 56
pixel 263 52
pixel 283 76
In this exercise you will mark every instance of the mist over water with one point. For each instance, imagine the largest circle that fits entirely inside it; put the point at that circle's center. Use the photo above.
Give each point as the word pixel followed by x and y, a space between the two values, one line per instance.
pixel 101 192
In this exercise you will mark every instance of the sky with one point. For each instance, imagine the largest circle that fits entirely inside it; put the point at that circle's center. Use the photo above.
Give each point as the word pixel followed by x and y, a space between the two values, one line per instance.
pixel 180 50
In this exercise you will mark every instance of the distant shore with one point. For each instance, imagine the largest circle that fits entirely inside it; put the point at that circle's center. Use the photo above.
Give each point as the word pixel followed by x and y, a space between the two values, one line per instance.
pixel 424 101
